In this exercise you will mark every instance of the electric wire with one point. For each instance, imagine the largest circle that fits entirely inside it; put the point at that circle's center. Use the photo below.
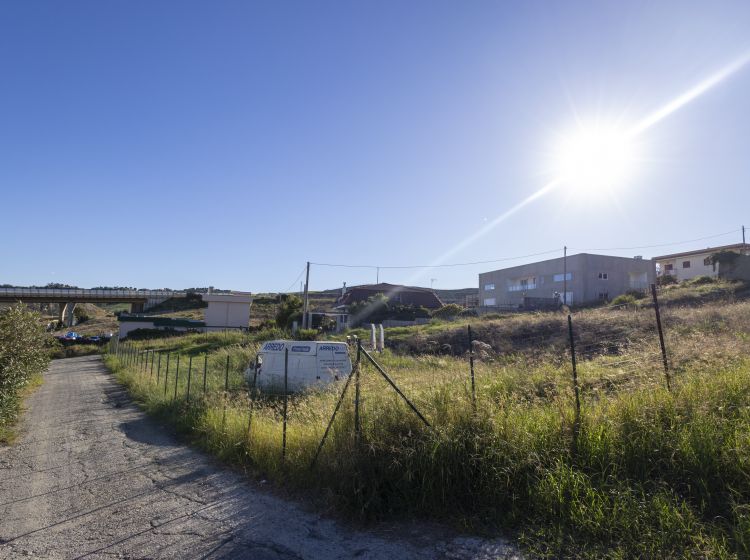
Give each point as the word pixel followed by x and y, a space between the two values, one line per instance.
pixel 504 259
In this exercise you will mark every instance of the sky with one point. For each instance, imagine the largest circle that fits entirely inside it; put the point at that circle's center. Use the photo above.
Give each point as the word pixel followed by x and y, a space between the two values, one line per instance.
pixel 184 144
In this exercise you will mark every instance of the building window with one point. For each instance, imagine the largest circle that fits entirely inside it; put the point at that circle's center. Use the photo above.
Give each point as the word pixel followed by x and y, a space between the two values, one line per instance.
pixel 489 302
pixel 604 296
pixel 685 264
pixel 561 277
pixel 669 267
pixel 707 261
pixel 603 276
pixel 488 287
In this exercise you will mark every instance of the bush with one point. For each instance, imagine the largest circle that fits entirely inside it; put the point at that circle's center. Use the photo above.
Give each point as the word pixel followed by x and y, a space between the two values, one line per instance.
pixel 624 299
pixel 449 311
pixel 23 355
pixel 666 280
pixel 637 294
pixel 289 311
pixel 306 334
pixel 701 280
pixel 80 314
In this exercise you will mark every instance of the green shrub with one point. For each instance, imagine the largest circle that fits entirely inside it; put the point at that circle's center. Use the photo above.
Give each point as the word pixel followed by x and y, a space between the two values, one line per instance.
pixel 80 314
pixel 24 354
pixel 449 311
pixel 701 280
pixel 666 280
pixel 306 334
pixel 624 299
pixel 289 311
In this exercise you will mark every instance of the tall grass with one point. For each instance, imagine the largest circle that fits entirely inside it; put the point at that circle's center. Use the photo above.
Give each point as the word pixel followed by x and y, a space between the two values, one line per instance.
pixel 646 473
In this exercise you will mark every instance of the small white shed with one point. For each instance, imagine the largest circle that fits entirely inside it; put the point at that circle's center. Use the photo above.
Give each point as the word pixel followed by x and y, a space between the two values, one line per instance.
pixel 227 310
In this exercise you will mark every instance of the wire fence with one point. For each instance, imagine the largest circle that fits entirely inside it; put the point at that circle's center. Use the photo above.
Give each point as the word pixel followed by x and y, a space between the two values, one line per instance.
pixel 223 385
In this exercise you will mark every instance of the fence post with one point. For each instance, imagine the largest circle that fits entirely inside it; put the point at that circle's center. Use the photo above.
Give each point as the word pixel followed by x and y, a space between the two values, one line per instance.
pixel 158 369
pixel 357 423
pixel 661 338
pixel 286 399
pixel 575 376
pixel 205 371
pixel 190 373
pixel 166 375
pixel 176 377
pixel 252 397
pixel 471 367
pixel 226 394
pixel 153 354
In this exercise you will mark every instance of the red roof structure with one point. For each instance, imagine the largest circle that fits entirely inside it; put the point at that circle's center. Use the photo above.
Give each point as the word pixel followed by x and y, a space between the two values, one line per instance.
pixel 405 295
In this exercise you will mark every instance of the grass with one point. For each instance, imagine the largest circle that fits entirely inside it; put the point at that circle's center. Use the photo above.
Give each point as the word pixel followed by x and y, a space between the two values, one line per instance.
pixel 642 473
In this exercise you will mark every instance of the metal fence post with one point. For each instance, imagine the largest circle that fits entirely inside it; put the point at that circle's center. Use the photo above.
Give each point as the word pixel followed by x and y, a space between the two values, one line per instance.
pixel 575 371
pixel 166 375
pixel 661 338
pixel 286 399
pixel 357 365
pixel 190 373
pixel 205 371
pixel 226 394
pixel 176 377
pixel 471 367
pixel 252 397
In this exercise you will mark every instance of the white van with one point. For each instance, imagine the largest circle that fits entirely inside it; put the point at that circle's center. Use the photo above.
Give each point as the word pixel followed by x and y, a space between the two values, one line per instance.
pixel 310 364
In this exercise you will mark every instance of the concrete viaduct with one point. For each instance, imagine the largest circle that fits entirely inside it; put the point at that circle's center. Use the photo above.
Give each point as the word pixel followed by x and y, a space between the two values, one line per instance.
pixel 67 298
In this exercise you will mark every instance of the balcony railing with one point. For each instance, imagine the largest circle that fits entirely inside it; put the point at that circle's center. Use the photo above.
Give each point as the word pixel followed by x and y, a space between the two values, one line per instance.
pixel 521 287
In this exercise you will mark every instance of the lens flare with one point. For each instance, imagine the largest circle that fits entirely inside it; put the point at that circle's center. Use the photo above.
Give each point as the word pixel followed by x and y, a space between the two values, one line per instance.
pixel 594 159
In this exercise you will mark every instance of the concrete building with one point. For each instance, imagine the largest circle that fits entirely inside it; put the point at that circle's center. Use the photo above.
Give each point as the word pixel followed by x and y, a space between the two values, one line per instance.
pixel 590 278
pixel 690 264
pixel 227 310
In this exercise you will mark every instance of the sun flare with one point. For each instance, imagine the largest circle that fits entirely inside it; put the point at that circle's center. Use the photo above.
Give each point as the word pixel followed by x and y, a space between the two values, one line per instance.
pixel 594 159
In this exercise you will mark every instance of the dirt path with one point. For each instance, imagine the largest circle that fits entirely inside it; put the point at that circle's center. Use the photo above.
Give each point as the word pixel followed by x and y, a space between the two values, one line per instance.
pixel 92 477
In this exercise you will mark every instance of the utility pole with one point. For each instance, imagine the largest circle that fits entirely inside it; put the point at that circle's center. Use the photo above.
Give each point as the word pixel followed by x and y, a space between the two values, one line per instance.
pixel 305 319
pixel 565 275
pixel 377 275
pixel 432 281
pixel 743 238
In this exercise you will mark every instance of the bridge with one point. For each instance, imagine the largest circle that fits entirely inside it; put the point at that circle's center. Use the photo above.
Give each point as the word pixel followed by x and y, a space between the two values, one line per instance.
pixel 67 298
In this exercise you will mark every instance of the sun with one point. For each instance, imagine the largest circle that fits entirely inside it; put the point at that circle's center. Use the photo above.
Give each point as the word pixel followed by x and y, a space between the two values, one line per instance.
pixel 594 159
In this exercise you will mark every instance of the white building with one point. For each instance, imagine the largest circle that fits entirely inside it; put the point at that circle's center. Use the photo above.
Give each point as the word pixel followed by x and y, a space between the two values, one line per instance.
pixel 227 310
pixel 690 264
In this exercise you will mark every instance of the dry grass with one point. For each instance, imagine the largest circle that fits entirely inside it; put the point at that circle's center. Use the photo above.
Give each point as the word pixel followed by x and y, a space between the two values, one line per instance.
pixel 643 473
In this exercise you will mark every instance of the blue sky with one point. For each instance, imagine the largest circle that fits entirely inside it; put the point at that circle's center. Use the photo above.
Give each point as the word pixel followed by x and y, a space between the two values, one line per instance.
pixel 178 144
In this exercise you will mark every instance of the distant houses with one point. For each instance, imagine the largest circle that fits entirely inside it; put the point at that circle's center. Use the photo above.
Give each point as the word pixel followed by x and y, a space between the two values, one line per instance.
pixel 577 279
pixel 700 262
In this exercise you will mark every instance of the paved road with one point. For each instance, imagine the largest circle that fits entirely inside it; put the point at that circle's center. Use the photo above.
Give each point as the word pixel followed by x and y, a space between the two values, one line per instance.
pixel 92 477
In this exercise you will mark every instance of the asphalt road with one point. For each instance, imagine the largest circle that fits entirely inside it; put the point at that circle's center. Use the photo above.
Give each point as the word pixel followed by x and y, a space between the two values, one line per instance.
pixel 92 477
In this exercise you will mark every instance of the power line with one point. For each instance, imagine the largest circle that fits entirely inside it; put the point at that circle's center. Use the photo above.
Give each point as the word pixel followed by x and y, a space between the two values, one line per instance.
pixel 503 259
pixel 661 244
pixel 437 265
pixel 289 289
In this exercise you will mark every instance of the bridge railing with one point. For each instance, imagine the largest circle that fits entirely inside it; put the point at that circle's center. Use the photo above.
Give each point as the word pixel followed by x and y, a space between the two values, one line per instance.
pixel 82 292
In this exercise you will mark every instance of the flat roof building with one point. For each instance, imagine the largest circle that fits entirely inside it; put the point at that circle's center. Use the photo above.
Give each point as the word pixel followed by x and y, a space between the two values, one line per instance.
pixel 577 279
pixel 690 264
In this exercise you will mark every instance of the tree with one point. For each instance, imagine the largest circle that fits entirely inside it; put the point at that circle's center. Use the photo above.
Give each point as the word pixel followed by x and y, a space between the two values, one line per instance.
pixel 289 311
